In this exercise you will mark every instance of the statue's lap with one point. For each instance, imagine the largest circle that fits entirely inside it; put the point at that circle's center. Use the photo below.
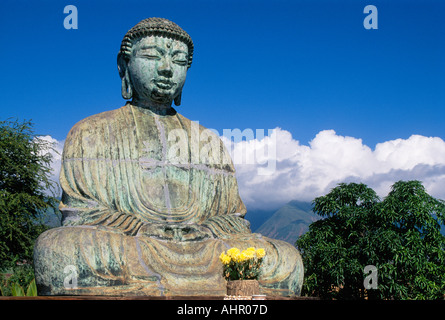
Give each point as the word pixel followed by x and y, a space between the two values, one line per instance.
pixel 109 263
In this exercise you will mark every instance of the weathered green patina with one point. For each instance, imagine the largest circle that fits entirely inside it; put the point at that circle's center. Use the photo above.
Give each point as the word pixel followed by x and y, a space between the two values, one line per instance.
pixel 150 198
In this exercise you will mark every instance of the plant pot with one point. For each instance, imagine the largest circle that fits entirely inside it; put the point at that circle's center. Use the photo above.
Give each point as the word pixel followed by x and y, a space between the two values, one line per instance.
pixel 243 287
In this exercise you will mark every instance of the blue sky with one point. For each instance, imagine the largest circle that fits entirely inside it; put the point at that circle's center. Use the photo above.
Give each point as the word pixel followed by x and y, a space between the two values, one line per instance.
pixel 302 66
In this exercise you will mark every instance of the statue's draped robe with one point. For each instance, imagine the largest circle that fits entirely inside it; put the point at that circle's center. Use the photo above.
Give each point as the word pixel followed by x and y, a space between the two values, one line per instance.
pixel 149 203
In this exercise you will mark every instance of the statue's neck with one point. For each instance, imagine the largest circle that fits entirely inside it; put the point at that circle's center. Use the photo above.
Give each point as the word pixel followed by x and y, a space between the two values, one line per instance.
pixel 160 109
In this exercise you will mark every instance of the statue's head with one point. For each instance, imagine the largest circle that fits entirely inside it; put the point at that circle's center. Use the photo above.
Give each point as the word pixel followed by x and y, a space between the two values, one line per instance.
pixel 153 61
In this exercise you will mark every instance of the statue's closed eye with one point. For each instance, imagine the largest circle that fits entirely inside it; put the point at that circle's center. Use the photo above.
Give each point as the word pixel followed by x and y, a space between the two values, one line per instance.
pixel 153 56
pixel 150 53
pixel 180 58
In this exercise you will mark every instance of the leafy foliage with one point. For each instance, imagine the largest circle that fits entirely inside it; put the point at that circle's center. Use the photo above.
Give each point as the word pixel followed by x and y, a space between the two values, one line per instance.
pixel 18 291
pixel 21 278
pixel 400 235
pixel 25 188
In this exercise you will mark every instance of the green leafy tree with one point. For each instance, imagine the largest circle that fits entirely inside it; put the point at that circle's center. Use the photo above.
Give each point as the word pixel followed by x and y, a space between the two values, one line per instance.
pixel 409 224
pixel 399 235
pixel 26 190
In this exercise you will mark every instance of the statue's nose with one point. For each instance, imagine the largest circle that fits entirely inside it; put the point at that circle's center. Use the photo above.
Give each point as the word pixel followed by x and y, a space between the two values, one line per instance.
pixel 165 68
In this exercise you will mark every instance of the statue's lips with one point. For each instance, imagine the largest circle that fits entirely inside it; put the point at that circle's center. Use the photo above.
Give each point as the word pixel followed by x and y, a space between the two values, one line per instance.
pixel 164 84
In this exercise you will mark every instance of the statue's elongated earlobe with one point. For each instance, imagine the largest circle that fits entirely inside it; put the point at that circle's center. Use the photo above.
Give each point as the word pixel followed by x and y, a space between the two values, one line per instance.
pixel 127 90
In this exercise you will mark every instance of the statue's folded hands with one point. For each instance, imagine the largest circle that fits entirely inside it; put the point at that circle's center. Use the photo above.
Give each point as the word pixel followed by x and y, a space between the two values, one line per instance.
pixel 175 232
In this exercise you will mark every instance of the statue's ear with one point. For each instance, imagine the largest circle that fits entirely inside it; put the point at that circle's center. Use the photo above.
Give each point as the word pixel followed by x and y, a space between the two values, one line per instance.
pixel 127 90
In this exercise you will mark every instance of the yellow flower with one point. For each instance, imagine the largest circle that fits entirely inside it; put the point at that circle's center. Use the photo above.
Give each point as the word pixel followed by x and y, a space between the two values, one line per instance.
pixel 237 257
pixel 248 254
pixel 225 259
pixel 241 257
pixel 260 253
pixel 233 252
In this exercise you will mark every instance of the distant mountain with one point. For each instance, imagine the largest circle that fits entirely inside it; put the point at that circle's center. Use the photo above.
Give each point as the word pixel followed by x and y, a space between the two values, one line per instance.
pixel 257 217
pixel 289 222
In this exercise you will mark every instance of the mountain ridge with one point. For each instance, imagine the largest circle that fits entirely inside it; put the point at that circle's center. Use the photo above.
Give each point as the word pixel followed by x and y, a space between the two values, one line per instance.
pixel 288 222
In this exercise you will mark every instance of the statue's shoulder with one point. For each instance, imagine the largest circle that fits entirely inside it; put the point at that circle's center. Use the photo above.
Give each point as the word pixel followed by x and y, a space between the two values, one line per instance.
pixel 94 122
pixel 195 124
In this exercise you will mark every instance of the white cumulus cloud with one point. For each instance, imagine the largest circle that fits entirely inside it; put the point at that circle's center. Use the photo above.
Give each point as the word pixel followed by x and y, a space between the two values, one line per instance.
pixel 305 172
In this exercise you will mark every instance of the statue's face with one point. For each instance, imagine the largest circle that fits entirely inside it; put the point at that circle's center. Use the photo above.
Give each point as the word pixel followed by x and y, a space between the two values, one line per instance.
pixel 157 68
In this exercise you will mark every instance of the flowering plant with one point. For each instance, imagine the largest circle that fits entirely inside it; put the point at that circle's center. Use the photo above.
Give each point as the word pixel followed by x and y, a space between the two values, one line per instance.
pixel 242 265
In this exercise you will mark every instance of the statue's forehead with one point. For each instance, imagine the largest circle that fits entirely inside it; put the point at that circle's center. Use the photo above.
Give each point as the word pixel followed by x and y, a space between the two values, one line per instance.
pixel 159 41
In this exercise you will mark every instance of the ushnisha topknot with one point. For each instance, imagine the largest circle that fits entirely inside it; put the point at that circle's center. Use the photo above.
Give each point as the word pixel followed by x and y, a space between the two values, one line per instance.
pixel 155 26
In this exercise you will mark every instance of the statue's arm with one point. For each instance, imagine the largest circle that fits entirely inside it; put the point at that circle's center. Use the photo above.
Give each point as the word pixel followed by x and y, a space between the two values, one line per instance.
pixel 229 220
pixel 83 178
pixel 92 213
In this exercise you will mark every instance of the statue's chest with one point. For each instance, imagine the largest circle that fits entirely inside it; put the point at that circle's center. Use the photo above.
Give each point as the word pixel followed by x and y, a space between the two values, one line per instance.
pixel 164 146
pixel 164 164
